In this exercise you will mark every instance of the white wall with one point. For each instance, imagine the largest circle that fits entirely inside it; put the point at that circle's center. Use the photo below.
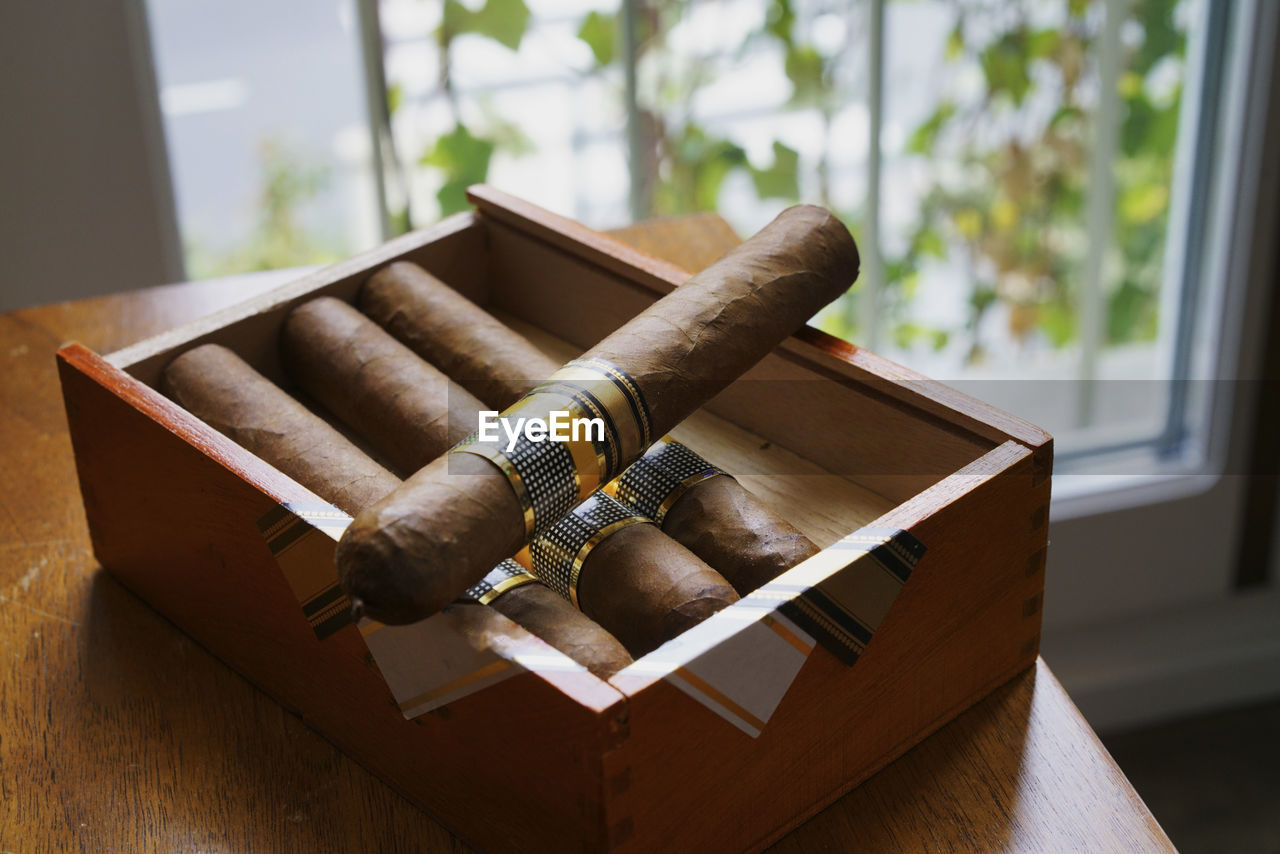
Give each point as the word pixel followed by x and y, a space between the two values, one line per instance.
pixel 85 202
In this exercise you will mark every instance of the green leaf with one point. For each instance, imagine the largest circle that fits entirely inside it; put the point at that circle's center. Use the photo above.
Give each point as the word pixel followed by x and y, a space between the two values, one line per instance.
pixel 982 297
pixel 955 42
pixel 909 284
pixel 1058 323
pixel 781 180
pixel 710 171
pixel 698 166
pixel 1043 43
pixel 1127 307
pixel 1161 35
pixel 600 31
pixel 1143 203
pixel 400 221
pixel 455 19
pixel 929 242
pixel 926 135
pixel 395 97
pixel 1066 114
pixel 464 159
pixel 804 68
pixel 504 21
pixel 459 154
pixel 452 197
pixel 780 20
pixel 905 334
pixel 1004 63
pixel 1148 130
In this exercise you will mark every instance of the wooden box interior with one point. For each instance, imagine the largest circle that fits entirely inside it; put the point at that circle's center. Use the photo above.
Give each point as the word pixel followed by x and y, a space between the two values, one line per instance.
pixel 832 437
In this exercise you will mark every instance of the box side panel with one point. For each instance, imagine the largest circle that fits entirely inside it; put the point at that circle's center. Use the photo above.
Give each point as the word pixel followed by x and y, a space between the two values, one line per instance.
pixel 967 619
pixel 176 522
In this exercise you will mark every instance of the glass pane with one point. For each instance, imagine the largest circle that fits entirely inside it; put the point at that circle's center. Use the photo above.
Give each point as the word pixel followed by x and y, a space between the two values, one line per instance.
pixel 998 134
pixel 1026 176
pixel 742 106
pixel 265 122
pixel 995 113
pixel 509 93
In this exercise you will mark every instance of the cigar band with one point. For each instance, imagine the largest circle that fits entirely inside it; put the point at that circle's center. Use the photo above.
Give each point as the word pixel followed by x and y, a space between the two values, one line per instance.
pixel 542 476
pixel 550 475
pixel 656 481
pixel 501 578
pixel 606 391
pixel 559 554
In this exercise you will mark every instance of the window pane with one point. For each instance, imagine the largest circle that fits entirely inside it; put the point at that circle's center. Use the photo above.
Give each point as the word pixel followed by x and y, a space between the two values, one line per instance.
pixel 1026 176
pixel 998 135
pixel 265 123
pixel 1025 157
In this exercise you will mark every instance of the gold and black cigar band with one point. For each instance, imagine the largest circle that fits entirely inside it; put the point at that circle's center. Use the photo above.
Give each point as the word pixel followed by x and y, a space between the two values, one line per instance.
pixel 549 477
pixel 656 481
pixel 558 555
pixel 543 476
pixel 501 578
pixel 612 389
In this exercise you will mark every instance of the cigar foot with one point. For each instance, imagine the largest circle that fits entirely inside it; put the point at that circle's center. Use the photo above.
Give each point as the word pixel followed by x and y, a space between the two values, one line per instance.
pixel 379 590
pixel 403 555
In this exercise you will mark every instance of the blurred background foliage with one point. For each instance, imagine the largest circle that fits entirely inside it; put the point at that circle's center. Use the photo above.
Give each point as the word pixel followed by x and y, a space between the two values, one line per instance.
pixel 995 168
pixel 1013 208
pixel 281 236
pixel 1006 149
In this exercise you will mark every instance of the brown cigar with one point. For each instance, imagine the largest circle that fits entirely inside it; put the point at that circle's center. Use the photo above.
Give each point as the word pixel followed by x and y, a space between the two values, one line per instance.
pixel 342 360
pixel 472 347
pixel 412 552
pixel 217 386
pixel 694 502
pixel 635 581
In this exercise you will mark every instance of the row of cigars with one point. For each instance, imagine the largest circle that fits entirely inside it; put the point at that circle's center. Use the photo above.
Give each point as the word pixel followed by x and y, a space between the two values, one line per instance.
pixel 609 563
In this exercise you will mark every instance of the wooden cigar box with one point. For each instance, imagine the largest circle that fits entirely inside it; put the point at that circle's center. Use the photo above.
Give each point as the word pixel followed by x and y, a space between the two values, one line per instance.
pixel 664 756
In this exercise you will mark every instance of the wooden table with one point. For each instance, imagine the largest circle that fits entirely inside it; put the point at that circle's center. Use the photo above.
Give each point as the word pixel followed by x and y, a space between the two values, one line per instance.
pixel 119 733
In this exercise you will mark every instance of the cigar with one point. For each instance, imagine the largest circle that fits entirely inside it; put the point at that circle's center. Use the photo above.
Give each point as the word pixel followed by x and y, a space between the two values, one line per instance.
pixel 473 348
pixel 695 503
pixel 384 391
pixel 217 386
pixel 615 565
pixel 712 515
pixel 413 551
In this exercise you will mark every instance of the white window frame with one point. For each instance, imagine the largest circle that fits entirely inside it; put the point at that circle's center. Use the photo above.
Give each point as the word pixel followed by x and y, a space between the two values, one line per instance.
pixel 1142 618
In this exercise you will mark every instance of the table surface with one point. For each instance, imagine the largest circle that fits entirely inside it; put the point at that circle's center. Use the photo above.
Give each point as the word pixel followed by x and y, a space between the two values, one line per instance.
pixel 117 732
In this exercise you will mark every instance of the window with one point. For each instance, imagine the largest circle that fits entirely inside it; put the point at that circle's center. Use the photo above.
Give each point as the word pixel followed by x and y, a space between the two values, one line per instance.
pixel 1015 217
pixel 1032 215
pixel 265 120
